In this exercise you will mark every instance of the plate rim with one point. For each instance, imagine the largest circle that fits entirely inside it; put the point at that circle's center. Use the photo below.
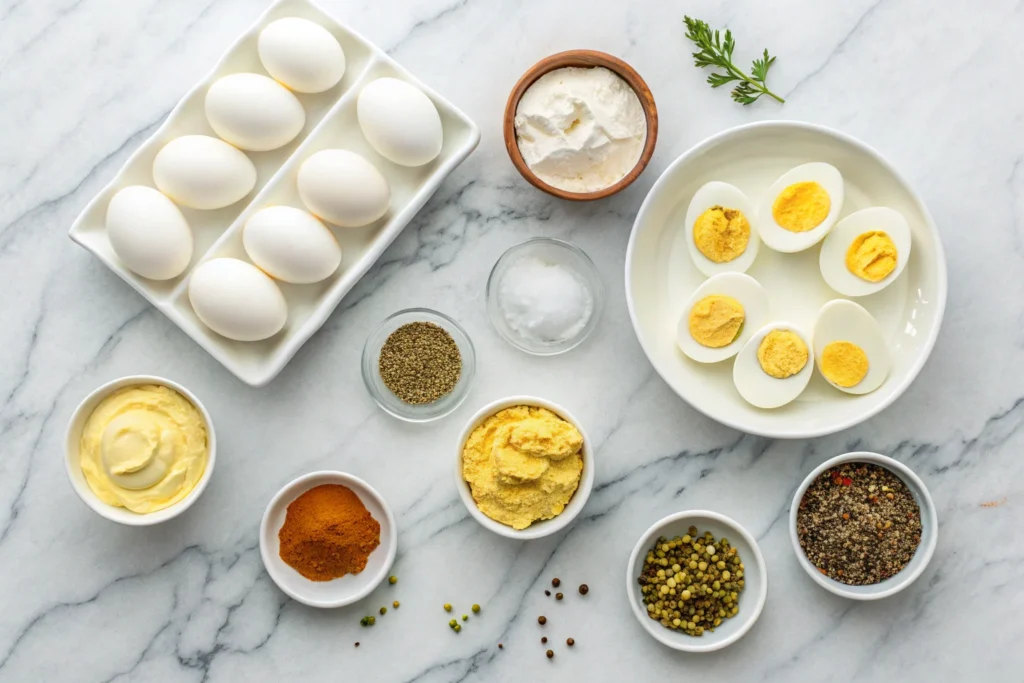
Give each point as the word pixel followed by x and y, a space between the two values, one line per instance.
pixel 940 262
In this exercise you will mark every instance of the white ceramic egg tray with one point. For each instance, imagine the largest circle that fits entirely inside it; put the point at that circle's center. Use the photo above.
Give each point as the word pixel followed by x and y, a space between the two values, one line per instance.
pixel 330 123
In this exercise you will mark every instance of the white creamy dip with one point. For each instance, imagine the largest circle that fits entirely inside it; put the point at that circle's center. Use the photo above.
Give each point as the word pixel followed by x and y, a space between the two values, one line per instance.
pixel 580 129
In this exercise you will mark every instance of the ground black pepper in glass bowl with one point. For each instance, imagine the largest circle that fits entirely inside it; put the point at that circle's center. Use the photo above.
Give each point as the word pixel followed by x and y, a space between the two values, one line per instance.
pixel 418 365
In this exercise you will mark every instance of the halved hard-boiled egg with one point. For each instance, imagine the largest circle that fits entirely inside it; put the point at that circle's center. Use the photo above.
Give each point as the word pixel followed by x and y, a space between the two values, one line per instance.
pixel 774 366
pixel 801 207
pixel 866 251
pixel 849 347
pixel 720 229
pixel 720 315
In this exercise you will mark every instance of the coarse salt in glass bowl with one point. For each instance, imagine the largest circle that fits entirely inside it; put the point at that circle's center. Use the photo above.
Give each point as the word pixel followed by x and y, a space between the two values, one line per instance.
pixel 548 251
pixel 385 398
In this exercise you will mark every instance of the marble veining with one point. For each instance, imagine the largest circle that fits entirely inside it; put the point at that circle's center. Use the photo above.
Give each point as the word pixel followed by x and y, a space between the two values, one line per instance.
pixel 84 82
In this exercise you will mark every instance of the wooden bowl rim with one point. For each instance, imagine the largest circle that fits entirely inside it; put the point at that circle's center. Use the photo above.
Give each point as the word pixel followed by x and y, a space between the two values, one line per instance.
pixel 585 59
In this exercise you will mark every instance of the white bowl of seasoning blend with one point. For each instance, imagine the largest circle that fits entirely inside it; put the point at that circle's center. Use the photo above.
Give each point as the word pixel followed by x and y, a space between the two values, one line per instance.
pixel 72 453
pixel 541 528
pixel 751 599
pixel 346 589
pixel 544 296
pixel 925 549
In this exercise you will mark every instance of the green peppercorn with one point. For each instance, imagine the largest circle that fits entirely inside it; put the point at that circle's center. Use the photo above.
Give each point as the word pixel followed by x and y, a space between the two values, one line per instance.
pixel 392 580
pixel 383 611
pixel 458 627
pixel 684 585
pixel 396 604
pixel 465 617
pixel 373 620
pixel 447 607
pixel 476 608
pixel 453 623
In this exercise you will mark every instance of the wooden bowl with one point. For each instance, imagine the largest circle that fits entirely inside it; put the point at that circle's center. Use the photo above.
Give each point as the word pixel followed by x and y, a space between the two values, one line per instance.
pixel 581 58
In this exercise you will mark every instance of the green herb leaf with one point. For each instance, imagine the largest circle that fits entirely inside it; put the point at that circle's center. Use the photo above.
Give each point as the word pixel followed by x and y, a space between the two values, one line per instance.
pixel 716 51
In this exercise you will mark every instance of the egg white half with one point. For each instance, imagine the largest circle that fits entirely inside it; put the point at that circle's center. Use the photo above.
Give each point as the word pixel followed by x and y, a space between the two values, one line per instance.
pixel 843 320
pixel 744 289
pixel 756 386
pixel 780 239
pixel 832 259
pixel 728 196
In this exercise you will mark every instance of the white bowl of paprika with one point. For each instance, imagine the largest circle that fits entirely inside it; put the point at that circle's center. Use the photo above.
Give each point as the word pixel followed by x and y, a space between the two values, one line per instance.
pixel 328 539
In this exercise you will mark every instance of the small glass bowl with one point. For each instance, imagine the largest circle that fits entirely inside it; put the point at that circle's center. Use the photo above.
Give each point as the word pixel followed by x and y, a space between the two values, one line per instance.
pixel 384 397
pixel 549 250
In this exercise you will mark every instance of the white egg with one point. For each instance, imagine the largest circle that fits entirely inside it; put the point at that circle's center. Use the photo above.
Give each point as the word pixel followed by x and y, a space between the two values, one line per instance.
pixel 832 259
pixel 237 300
pixel 301 54
pixel 291 245
pixel 253 112
pixel 148 233
pixel 400 122
pixel 729 197
pixel 759 388
pixel 744 289
pixel 343 188
pixel 845 321
pixel 202 172
pixel 787 241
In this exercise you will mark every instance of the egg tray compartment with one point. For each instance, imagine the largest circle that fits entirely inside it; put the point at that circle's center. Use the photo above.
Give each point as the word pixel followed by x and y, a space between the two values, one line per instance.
pixel 330 123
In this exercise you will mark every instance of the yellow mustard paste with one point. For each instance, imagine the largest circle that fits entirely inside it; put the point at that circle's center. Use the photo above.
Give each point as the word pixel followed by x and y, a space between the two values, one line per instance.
pixel 522 465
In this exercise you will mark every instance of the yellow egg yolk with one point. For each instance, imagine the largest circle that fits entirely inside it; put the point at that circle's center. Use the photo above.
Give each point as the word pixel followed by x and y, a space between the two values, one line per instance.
pixel 721 234
pixel 782 354
pixel 871 256
pixel 801 206
pixel 844 363
pixel 715 321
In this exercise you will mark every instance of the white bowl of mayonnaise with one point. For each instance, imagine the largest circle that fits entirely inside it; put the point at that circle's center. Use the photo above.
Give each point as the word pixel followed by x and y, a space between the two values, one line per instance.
pixel 140 450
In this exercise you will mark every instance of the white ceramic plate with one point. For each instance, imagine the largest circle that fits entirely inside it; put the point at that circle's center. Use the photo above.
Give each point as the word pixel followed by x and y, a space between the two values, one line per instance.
pixel 751 600
pixel 660 276
pixel 330 122
pixel 348 588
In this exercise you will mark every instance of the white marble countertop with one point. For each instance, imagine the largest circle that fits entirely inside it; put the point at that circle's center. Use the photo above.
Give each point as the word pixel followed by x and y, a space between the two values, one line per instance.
pixel 932 86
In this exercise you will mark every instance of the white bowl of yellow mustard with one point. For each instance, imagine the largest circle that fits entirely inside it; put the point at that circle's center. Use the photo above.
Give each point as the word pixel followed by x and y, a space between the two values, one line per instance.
pixel 140 450
pixel 524 467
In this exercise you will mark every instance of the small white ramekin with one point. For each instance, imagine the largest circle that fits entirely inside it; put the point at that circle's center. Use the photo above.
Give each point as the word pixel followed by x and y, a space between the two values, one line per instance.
pixel 72 460
pixel 346 589
pixel 751 601
pixel 917 564
pixel 544 527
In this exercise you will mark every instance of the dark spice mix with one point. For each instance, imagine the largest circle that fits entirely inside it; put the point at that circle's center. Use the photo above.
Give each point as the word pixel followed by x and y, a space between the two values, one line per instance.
pixel 858 523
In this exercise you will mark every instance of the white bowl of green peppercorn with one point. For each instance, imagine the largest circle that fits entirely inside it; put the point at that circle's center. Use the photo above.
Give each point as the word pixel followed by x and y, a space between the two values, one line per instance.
pixel 728 536
pixel 871 576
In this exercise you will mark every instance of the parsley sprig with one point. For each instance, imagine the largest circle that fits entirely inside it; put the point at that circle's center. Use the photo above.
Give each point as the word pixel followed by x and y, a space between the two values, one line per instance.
pixel 716 51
